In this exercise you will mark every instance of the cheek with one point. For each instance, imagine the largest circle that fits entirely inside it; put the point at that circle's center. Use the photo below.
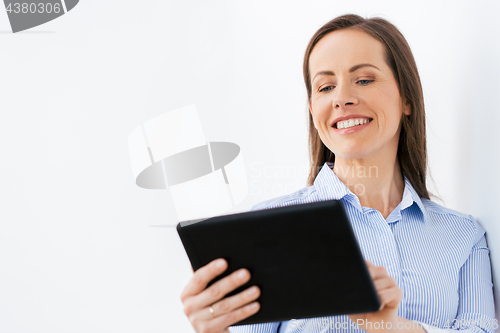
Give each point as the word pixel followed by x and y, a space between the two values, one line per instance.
pixel 389 104
pixel 320 109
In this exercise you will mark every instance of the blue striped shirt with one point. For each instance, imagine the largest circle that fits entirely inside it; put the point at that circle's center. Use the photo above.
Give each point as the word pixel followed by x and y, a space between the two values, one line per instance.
pixel 438 257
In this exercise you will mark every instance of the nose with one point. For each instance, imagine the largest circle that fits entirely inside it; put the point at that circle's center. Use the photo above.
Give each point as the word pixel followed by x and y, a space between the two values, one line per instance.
pixel 343 96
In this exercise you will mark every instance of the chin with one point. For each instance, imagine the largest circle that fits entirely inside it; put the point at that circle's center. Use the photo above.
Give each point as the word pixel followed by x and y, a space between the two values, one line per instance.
pixel 350 156
pixel 350 153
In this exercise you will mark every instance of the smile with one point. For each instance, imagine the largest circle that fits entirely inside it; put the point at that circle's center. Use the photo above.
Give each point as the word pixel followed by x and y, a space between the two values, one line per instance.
pixel 351 122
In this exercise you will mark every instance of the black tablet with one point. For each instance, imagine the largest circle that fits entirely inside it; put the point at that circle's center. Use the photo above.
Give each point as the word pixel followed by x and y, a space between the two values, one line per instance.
pixel 304 258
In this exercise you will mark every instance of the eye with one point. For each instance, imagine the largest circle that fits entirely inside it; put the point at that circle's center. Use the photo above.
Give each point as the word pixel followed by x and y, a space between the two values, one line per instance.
pixel 324 89
pixel 365 82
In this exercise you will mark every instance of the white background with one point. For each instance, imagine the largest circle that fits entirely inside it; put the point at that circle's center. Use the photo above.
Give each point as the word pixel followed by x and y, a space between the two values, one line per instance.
pixel 77 253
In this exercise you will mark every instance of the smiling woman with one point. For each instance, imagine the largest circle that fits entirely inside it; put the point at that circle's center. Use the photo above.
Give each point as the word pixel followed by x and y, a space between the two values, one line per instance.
pixel 430 265
pixel 395 74
pixel 353 82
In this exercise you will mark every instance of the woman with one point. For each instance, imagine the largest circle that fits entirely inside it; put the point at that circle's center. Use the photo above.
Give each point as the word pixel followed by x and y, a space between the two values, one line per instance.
pixel 430 265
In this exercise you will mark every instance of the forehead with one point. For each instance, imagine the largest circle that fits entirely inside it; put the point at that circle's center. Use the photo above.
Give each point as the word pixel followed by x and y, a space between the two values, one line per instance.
pixel 339 50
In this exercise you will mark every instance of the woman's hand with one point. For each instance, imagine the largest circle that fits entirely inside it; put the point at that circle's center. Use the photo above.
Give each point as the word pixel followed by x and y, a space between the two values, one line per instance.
pixel 203 307
pixel 386 318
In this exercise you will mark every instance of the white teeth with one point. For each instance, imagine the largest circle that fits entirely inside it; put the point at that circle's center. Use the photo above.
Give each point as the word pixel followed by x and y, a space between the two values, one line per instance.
pixel 352 122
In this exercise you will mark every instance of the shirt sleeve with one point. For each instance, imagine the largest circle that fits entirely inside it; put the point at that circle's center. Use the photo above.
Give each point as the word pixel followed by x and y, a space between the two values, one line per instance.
pixel 476 310
pixel 256 328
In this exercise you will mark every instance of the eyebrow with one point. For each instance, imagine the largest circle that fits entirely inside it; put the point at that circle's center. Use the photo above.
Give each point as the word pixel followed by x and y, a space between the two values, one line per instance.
pixel 352 69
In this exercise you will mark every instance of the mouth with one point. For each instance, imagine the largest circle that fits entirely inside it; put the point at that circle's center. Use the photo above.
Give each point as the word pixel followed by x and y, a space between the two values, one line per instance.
pixel 351 122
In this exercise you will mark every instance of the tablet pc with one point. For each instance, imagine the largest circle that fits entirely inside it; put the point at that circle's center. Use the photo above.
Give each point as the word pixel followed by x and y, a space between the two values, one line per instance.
pixel 304 258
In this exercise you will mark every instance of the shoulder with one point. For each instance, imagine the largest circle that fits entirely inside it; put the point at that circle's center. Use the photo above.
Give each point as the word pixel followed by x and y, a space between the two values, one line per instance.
pixel 306 194
pixel 435 208
pixel 456 220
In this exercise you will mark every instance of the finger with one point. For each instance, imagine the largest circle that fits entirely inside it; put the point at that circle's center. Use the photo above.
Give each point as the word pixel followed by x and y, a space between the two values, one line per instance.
pixel 369 264
pixel 218 290
pixel 202 277
pixel 384 283
pixel 390 298
pixel 377 272
pixel 225 306
pixel 229 304
pixel 221 322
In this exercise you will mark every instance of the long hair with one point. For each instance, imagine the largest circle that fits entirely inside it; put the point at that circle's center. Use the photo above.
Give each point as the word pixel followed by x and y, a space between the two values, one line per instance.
pixel 412 151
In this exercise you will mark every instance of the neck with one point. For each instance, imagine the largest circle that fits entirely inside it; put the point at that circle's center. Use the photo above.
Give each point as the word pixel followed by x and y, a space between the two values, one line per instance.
pixel 377 182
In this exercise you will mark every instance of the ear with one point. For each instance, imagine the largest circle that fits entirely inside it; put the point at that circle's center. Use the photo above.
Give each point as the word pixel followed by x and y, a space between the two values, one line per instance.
pixel 310 108
pixel 407 109
pixel 312 114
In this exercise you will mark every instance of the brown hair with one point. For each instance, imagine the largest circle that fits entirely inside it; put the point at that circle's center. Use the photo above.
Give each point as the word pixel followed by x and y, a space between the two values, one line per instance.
pixel 412 151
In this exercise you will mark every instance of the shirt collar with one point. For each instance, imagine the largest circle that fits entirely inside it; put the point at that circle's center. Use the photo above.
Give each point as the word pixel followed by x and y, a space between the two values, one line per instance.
pixel 411 196
pixel 330 187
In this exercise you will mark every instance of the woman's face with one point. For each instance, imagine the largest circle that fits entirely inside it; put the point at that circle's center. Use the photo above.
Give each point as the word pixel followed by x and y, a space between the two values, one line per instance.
pixel 355 101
